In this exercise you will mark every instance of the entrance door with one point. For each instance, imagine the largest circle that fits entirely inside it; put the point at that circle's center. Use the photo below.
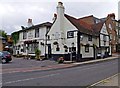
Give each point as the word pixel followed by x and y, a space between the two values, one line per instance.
pixel 49 51
pixel 95 51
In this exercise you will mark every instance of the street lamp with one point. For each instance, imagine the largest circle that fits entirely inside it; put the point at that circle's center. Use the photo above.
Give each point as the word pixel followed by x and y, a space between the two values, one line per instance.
pixel 71 57
pixel 27 50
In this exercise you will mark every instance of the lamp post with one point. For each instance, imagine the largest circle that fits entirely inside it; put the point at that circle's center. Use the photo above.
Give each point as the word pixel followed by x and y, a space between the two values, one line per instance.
pixel 71 56
pixel 79 39
pixel 27 50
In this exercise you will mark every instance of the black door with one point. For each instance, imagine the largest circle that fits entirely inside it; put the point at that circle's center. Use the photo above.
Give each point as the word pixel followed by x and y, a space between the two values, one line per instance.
pixel 49 51
pixel 74 53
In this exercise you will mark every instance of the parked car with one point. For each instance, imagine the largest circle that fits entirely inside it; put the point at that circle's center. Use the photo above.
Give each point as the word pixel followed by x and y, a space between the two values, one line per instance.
pixel 5 56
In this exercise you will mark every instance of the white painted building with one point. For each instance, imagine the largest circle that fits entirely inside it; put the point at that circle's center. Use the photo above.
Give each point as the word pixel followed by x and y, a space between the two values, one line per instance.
pixel 31 38
pixel 104 47
pixel 67 38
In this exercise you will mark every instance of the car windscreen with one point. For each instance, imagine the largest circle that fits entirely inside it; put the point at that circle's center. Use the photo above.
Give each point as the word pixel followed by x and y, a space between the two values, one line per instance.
pixel 0 53
pixel 5 52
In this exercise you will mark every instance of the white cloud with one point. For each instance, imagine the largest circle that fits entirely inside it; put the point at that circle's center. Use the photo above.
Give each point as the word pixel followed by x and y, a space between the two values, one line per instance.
pixel 15 13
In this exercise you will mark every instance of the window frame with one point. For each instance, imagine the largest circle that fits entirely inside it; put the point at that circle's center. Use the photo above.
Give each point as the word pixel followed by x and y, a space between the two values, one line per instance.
pixel 70 34
pixel 57 48
pixel 89 37
pixel 87 48
pixel 37 34
pixel 24 35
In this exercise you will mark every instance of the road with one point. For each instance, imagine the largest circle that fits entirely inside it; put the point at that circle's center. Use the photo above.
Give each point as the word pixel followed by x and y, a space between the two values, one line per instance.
pixel 77 76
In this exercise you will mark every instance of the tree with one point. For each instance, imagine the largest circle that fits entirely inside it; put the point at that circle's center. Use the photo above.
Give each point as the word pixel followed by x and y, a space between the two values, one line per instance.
pixel 15 37
pixel 3 34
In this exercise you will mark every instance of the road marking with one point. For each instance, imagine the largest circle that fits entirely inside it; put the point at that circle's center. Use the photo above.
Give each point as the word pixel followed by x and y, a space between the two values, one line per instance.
pixel 102 80
pixel 50 75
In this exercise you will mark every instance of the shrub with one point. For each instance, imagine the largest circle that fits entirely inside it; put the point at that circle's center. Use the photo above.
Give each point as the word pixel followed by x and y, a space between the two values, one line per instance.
pixel 37 54
pixel 61 60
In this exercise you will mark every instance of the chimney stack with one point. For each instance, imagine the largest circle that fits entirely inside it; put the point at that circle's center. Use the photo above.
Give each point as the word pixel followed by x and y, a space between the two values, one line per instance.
pixel 30 22
pixel 112 15
pixel 60 9
pixel 55 17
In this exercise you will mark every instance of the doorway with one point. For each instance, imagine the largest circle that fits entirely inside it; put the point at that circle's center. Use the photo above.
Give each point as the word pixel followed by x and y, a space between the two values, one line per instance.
pixel 49 51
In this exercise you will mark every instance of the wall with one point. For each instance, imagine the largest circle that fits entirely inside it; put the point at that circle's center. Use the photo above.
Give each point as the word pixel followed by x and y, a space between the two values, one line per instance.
pixel 1 45
pixel 31 37
pixel 102 33
pixel 112 31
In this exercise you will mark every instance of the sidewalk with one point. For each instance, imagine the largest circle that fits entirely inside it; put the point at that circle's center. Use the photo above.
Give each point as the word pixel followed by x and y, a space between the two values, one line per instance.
pixel 66 64
pixel 110 81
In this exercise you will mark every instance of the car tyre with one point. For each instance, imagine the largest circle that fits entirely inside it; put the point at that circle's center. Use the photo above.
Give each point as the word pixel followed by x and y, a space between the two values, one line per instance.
pixel 3 61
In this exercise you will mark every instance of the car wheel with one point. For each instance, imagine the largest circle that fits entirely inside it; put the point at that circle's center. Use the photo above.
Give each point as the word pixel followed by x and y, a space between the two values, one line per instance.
pixel 3 61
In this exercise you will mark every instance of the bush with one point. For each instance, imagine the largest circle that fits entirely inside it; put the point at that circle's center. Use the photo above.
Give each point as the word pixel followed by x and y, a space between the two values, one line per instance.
pixel 37 54
pixel 61 60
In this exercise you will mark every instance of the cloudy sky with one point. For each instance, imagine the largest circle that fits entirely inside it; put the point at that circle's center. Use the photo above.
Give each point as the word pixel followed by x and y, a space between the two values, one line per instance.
pixel 14 13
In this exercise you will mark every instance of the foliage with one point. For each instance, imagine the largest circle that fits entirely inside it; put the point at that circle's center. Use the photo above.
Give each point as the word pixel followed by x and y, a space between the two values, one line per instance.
pixel 15 37
pixel 37 53
pixel 3 34
pixel 60 60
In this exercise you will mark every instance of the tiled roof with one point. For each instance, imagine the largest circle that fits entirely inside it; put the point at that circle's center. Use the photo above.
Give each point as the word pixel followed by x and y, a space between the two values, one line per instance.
pixel 82 26
pixel 40 25
pixel 48 24
pixel 86 17
pixel 97 27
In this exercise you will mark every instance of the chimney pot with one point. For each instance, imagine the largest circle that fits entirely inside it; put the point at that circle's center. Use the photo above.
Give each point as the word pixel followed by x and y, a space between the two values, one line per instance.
pixel 55 15
pixel 60 3
pixel 30 22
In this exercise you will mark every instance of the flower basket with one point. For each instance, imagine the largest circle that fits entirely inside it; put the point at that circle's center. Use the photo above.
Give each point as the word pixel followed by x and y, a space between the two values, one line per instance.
pixel 60 60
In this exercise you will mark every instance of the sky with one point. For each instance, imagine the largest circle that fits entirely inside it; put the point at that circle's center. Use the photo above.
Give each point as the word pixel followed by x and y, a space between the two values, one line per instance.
pixel 15 13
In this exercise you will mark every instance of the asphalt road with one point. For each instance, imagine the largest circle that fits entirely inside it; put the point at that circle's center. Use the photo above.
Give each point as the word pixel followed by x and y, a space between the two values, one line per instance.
pixel 77 76
pixel 23 63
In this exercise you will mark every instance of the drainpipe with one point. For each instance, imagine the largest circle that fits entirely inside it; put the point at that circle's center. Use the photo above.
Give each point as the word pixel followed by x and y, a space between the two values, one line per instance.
pixel 78 45
pixel 45 43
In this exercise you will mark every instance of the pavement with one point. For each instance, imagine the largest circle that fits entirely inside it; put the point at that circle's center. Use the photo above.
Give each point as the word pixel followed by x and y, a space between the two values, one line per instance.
pixel 33 65
pixel 110 81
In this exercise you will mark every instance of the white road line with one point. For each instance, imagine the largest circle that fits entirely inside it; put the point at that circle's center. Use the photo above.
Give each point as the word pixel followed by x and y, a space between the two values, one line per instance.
pixel 102 80
pixel 30 78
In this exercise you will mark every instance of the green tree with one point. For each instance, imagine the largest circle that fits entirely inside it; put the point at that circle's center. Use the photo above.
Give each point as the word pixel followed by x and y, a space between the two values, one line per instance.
pixel 15 37
pixel 3 34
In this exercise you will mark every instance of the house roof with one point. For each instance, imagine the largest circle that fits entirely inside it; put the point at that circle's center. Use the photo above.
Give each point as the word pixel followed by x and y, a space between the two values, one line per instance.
pixel 47 24
pixel 90 18
pixel 97 27
pixel 82 26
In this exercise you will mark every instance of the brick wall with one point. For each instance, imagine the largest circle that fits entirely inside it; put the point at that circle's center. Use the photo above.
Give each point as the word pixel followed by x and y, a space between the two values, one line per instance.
pixel 1 46
pixel 112 31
